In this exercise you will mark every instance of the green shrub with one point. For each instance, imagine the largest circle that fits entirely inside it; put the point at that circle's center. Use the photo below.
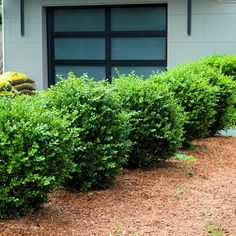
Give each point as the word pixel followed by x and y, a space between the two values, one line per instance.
pixel 225 116
pixel 226 97
pixel 156 119
pixel 226 64
pixel 226 94
pixel 196 95
pixel 34 157
pixel 102 130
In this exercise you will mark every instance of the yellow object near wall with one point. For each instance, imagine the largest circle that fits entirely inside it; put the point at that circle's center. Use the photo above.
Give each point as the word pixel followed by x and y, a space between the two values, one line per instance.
pixel 12 83
pixel 5 88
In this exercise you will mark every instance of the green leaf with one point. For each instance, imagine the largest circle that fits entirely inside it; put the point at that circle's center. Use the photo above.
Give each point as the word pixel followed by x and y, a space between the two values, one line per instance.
pixel 184 157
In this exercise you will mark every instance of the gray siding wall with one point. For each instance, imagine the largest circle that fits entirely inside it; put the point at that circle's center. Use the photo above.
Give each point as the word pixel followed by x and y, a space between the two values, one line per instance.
pixel 213 31
pixel 1 61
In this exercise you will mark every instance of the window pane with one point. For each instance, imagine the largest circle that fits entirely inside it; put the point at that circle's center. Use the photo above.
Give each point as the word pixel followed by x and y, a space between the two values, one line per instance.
pixel 138 48
pixel 79 20
pixel 145 18
pixel 144 71
pixel 96 72
pixel 80 48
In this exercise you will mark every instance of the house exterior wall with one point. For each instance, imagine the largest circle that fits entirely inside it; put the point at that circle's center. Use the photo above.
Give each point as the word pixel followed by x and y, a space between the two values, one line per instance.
pixel 213 31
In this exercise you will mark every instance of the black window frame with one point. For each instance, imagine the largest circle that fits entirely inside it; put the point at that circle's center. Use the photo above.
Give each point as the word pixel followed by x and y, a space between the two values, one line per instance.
pixel 108 34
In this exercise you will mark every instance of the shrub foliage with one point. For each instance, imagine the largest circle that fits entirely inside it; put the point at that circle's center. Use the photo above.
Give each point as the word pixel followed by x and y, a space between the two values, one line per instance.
pixel 101 126
pixel 226 96
pixel 226 64
pixel 196 96
pixel 156 119
pixel 34 157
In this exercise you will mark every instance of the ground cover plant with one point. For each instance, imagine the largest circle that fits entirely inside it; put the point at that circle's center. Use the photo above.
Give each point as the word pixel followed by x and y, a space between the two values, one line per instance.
pixel 156 119
pixel 214 231
pixel 102 129
pixel 34 154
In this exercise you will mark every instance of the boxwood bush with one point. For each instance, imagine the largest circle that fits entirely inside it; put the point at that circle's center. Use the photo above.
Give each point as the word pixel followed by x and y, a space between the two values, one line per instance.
pixel 196 95
pixel 102 128
pixel 34 157
pixel 226 95
pixel 226 64
pixel 156 119
pixel 226 105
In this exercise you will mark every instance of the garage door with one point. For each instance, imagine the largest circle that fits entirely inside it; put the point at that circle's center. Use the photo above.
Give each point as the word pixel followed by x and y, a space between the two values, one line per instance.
pixel 103 41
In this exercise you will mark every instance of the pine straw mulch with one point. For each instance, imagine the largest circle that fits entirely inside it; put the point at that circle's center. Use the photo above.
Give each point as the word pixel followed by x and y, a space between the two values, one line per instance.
pixel 162 201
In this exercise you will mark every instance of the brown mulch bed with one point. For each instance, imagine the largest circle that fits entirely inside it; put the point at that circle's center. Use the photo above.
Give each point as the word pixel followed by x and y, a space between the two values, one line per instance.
pixel 162 201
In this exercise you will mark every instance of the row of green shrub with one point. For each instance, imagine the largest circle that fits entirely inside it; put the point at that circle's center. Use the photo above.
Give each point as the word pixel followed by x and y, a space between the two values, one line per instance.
pixel 80 133
pixel 207 96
